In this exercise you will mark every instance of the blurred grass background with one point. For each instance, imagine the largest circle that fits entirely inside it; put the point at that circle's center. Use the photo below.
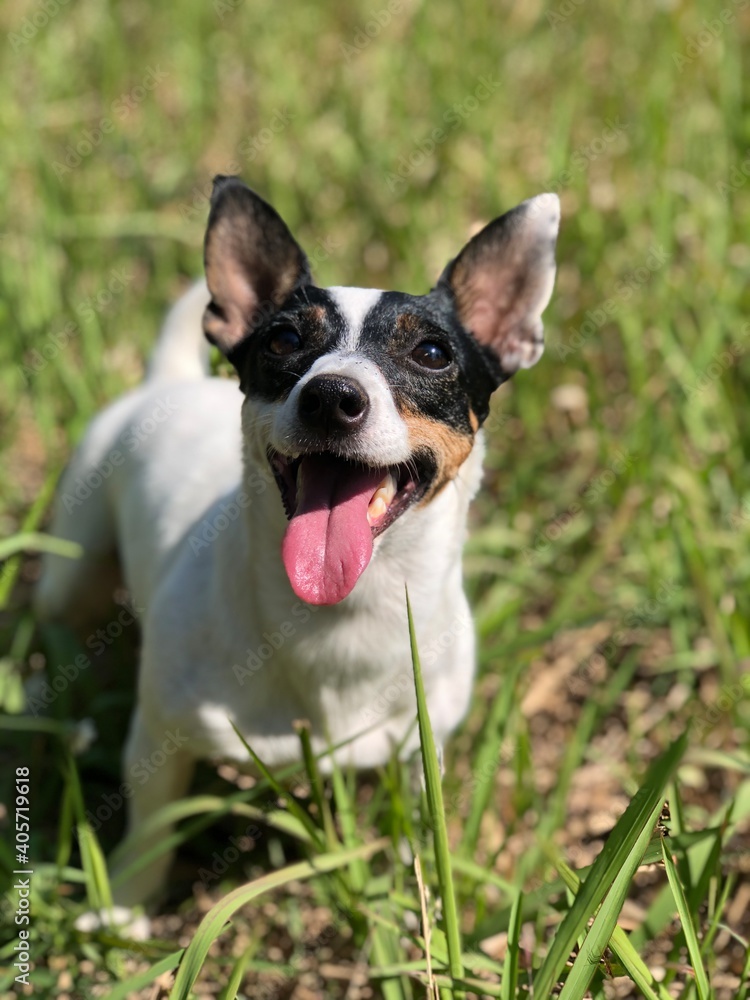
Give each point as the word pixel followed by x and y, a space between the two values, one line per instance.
pixel 617 500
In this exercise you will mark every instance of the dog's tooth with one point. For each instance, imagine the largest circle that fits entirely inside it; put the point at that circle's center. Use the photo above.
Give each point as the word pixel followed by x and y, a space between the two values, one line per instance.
pixel 382 498
pixel 377 509
pixel 389 487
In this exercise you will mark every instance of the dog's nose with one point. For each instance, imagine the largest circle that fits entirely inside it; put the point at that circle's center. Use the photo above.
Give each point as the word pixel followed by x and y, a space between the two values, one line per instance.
pixel 333 403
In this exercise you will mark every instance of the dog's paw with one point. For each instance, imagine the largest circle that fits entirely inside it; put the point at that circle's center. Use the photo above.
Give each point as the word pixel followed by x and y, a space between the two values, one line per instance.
pixel 124 920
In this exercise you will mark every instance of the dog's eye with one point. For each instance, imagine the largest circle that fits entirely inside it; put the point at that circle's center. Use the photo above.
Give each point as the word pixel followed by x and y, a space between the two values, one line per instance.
pixel 428 354
pixel 285 341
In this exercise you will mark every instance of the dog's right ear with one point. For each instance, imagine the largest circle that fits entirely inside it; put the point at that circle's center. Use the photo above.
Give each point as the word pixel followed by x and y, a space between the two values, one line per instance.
pixel 252 261
pixel 502 281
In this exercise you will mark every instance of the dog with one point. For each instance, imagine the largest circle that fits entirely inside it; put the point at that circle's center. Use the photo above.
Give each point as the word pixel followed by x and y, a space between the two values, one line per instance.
pixel 265 535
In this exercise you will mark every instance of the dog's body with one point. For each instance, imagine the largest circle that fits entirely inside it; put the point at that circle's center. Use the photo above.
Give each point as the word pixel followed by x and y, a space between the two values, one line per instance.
pixel 365 408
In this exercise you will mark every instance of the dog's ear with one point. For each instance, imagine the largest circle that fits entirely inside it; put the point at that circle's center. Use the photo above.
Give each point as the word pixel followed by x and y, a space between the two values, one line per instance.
pixel 502 281
pixel 252 262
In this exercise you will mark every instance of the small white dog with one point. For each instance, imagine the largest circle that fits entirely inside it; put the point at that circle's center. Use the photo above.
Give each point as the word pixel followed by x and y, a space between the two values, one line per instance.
pixel 266 535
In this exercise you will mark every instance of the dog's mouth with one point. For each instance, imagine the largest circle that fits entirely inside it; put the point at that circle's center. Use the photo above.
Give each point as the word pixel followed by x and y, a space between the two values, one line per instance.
pixel 336 508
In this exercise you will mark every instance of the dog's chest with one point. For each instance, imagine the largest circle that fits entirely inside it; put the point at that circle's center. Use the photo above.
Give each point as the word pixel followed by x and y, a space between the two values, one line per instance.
pixel 346 671
pixel 227 641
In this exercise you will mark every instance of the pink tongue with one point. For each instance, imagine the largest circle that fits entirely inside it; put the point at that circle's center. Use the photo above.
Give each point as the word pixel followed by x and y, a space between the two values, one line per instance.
pixel 328 542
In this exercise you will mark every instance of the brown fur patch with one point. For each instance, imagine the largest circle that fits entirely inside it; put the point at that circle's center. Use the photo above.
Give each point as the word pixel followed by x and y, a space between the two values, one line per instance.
pixel 409 323
pixel 314 314
pixel 450 447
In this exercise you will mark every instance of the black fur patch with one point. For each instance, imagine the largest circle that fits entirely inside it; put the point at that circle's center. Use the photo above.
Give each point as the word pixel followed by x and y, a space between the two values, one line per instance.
pixel 397 324
pixel 313 315
pixel 391 330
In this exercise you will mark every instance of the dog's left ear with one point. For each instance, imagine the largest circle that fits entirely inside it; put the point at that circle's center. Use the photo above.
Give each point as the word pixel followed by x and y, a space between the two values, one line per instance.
pixel 253 262
pixel 502 281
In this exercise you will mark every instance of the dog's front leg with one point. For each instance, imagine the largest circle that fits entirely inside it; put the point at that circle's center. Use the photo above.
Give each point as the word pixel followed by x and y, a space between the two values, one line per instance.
pixel 159 771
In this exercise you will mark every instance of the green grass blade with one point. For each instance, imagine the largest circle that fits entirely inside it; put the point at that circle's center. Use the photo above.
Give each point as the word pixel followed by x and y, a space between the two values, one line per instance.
pixel 433 786
pixel 292 804
pixel 616 850
pixel 510 965
pixel 36 541
pixel 605 922
pixel 480 987
pixel 620 944
pixel 65 828
pixel 482 875
pixel 688 927
pixel 345 811
pixel 98 889
pixel 715 921
pixel 208 808
pixel 316 784
pixel 122 991
pixel 487 759
pixel 745 979
pixel 213 923
pixel 235 980
pixel 384 951
pixel 438 951
pixel 29 526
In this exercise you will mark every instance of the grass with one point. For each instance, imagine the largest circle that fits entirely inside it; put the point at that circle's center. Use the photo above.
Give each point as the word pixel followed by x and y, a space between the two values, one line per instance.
pixel 608 560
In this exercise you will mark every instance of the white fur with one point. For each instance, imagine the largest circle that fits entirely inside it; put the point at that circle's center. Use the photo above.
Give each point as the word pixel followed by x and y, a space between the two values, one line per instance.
pixel 199 535
pixel 354 304
pixel 384 438
pixel 172 357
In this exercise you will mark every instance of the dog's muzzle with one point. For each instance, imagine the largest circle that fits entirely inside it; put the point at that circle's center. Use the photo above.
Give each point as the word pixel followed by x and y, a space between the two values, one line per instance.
pixel 333 405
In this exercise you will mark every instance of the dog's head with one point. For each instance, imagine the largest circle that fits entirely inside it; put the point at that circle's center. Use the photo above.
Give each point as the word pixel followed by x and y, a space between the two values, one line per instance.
pixel 366 403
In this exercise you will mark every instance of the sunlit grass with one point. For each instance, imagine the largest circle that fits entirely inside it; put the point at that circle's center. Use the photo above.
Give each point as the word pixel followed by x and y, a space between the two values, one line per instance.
pixel 608 559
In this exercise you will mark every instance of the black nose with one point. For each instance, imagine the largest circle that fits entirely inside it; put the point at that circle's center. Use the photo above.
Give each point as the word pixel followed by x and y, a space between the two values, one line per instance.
pixel 333 403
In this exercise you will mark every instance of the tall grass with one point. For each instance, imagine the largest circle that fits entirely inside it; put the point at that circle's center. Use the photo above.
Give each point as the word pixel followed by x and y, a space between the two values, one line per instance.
pixel 607 561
